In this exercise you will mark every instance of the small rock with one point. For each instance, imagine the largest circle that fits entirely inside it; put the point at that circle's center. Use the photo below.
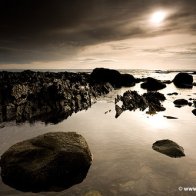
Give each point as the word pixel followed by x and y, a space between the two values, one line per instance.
pixel 170 117
pixel 119 111
pixel 194 112
pixel 168 148
pixel 175 93
pixel 181 102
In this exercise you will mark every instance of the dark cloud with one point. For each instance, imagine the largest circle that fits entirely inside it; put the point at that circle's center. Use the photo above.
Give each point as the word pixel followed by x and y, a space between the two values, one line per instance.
pixel 38 30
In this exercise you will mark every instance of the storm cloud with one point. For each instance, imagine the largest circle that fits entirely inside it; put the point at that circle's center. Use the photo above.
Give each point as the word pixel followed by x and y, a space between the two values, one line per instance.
pixel 42 30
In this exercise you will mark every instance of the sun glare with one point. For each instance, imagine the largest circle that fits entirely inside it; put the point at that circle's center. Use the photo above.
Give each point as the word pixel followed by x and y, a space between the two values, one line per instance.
pixel 158 17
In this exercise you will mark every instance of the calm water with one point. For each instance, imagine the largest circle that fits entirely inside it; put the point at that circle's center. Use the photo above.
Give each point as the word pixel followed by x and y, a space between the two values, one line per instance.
pixel 124 162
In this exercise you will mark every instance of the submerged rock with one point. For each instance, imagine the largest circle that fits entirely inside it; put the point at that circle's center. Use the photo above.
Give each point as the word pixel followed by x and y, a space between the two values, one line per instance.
pixel 168 148
pixel 49 162
pixel 170 117
pixel 152 84
pixel 183 80
pixel 175 93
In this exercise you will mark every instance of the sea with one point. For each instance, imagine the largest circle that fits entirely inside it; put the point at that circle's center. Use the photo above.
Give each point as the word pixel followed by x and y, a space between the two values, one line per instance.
pixel 124 163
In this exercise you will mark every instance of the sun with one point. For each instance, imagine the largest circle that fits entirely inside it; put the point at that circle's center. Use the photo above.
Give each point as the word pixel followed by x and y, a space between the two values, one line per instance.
pixel 158 17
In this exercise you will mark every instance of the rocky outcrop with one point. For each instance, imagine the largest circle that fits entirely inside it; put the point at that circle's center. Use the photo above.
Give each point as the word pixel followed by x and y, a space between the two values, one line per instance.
pixel 152 84
pixel 168 148
pixel 46 96
pixel 183 80
pixel 115 78
pixel 131 100
pixel 49 162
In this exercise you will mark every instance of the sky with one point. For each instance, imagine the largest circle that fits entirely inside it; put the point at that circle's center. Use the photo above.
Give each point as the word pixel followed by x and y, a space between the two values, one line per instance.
pixel 84 34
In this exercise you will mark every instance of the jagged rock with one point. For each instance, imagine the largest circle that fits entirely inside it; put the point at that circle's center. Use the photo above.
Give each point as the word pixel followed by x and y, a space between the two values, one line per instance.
pixel 183 80
pixel 119 111
pixel 194 112
pixel 132 100
pixel 180 102
pixel 46 96
pixel 152 84
pixel 168 148
pixel 49 162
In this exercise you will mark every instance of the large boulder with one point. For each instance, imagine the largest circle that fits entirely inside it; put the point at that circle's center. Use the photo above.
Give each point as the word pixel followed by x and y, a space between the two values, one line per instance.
pixel 183 80
pixel 114 77
pixel 152 84
pixel 103 75
pixel 127 80
pixel 168 148
pixel 49 162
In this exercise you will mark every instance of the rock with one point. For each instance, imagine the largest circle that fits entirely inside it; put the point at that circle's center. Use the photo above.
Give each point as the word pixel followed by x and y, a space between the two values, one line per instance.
pixel 175 93
pixel 115 78
pixel 102 75
pixel 152 84
pixel 168 148
pixel 154 100
pixel 194 112
pixel 183 80
pixel 127 80
pixel 46 96
pixel 170 117
pixel 132 100
pixel 49 162
pixel 180 102
pixel 119 111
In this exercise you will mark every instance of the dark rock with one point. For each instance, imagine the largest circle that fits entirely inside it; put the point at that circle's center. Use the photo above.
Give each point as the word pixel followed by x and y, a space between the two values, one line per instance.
pixel 46 96
pixel 168 148
pixel 49 162
pixel 119 111
pixel 180 102
pixel 175 93
pixel 102 75
pixel 167 81
pixel 154 100
pixel 183 80
pixel 127 80
pixel 132 100
pixel 152 84
pixel 194 112
pixel 170 117
pixel 115 78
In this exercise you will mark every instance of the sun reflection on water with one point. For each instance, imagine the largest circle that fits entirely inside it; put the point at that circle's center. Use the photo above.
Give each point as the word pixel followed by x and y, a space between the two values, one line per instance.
pixel 157 121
